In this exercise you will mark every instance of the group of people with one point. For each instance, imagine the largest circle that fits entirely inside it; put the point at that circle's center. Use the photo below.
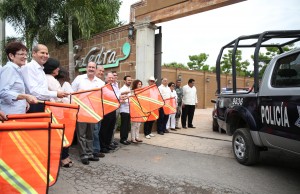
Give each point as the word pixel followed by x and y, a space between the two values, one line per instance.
pixel 186 100
pixel 23 86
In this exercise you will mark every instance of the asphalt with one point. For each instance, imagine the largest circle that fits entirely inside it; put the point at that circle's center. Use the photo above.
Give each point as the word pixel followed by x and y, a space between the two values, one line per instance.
pixel 200 140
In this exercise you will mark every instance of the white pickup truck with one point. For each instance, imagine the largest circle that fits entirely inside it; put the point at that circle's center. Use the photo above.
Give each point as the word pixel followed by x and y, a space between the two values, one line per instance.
pixel 268 115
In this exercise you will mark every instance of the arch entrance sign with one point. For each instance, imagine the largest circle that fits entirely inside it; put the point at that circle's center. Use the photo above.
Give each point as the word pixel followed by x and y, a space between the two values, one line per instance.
pixel 146 13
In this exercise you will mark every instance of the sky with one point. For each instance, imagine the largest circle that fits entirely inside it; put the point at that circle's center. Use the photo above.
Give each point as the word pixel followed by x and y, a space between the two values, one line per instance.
pixel 208 31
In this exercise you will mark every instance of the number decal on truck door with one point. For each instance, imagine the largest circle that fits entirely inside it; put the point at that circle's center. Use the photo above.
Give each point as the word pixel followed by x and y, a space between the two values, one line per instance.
pixel 237 101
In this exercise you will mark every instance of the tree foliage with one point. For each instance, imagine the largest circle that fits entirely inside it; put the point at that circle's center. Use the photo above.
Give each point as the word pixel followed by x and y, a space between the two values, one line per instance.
pixel 8 39
pixel 197 62
pixel 30 18
pixel 265 58
pixel 175 65
pixel 60 20
pixel 85 17
pixel 241 66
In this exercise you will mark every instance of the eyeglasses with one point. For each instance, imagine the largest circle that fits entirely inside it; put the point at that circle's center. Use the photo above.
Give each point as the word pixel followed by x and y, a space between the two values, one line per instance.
pixel 22 54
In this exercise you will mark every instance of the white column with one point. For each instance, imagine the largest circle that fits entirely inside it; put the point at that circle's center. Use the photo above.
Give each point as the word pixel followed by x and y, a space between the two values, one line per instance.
pixel 145 51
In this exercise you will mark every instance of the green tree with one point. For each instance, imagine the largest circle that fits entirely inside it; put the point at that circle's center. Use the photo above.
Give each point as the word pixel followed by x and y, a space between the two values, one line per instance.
pixel 212 69
pixel 89 16
pixel 30 18
pixel 175 65
pixel 48 21
pixel 265 58
pixel 3 43
pixel 241 66
pixel 197 62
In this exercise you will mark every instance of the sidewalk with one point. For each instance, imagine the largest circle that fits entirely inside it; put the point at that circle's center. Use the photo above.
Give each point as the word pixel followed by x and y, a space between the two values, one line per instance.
pixel 200 139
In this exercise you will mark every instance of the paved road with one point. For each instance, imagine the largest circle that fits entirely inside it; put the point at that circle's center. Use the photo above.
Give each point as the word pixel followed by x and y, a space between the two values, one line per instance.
pixel 174 163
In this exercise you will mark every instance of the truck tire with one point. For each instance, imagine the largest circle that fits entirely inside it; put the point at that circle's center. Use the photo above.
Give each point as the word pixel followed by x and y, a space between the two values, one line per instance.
pixel 244 149
pixel 215 126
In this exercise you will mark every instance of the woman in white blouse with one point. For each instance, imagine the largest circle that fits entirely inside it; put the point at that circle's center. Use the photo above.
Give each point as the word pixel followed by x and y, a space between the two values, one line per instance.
pixel 13 99
pixel 171 122
pixel 51 69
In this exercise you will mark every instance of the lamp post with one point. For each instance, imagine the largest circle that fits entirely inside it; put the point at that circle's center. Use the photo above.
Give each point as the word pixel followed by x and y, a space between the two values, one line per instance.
pixel 131 31
pixel 179 77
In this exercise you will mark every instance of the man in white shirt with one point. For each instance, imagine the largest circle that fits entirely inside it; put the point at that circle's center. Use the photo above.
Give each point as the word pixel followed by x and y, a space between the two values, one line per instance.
pixel 163 118
pixel 35 79
pixel 96 141
pixel 189 102
pixel 124 111
pixel 85 130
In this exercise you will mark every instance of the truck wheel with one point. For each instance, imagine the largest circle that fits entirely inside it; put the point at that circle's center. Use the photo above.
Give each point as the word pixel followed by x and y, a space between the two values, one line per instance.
pixel 215 125
pixel 243 147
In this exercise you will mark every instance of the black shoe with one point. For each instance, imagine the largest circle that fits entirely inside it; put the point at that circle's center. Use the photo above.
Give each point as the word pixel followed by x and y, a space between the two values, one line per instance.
pixel 124 142
pixel 173 129
pixel 177 128
pixel 104 150
pixel 111 148
pixel 192 127
pixel 115 143
pixel 85 161
pixel 184 127
pixel 99 155
pixel 128 142
pixel 160 133
pixel 167 131
pixel 94 159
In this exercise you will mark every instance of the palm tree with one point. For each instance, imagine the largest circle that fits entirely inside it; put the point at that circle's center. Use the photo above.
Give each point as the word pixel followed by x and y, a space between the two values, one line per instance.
pixel 45 21
pixel 28 17
pixel 86 13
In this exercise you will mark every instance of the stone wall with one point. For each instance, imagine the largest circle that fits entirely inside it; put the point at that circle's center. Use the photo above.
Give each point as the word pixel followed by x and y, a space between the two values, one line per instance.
pixel 112 39
pixel 205 83
pixel 115 38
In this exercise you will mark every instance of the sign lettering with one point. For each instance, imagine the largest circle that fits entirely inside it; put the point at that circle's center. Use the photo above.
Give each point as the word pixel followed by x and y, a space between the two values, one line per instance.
pixel 104 57
pixel 275 115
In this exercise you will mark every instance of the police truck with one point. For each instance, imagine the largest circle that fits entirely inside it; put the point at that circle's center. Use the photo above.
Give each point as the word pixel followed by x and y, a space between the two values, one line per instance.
pixel 267 115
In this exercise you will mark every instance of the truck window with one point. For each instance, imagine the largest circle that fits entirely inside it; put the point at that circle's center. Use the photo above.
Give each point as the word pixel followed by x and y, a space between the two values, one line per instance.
pixel 287 72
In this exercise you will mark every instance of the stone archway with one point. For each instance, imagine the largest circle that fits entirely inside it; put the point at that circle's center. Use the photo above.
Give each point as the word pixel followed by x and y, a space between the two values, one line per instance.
pixel 146 13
